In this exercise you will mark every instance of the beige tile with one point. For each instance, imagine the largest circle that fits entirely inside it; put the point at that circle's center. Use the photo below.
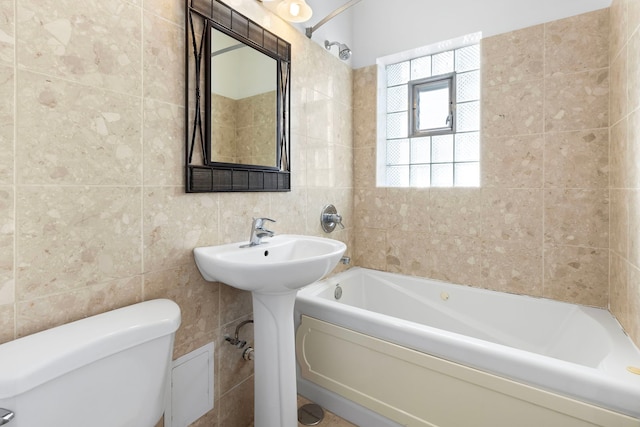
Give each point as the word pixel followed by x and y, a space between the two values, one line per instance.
pixel 198 301
pixel 578 159
pixel 370 244
pixel 370 207
pixel 163 59
pixel 634 227
pixel 633 154
pixel 236 406
pixel 455 259
pixel 71 237
pixel 75 134
pixel 95 42
pixel 408 252
pixel 577 217
pixel 619 290
pixel 7 32
pixel 232 368
pixel 618 104
pixel 577 43
pixel 514 56
pixel 512 162
pixel 7 122
pixel 619 221
pixel 364 167
pixel 456 211
pixel 167 9
pixel 619 174
pixel 577 275
pixel 163 143
pixel 577 101
pixel 364 127
pixel 633 20
pixel 512 109
pixel 236 213
pixel 619 23
pixel 512 214
pixel 7 232
pixel 288 209
pixel 7 323
pixel 634 304
pixel 174 224
pixel 408 209
pixel 365 82
pixel 234 304
pixel 512 266
pixel 53 310
pixel 633 77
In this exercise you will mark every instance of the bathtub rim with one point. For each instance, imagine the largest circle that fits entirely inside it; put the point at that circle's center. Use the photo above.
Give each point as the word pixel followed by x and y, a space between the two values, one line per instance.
pixel 587 384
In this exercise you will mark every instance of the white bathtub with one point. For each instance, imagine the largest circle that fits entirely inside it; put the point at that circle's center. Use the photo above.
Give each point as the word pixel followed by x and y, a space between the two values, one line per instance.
pixel 579 354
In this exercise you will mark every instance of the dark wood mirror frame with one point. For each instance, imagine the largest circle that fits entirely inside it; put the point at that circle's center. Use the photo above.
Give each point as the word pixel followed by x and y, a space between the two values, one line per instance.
pixel 202 174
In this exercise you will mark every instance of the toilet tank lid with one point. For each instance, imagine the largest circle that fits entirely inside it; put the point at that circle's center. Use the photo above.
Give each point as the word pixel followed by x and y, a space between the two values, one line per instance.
pixel 30 361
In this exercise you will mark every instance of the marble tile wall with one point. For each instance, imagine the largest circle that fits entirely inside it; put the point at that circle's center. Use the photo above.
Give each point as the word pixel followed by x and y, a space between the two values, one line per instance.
pixel 624 183
pixel 93 213
pixel 539 223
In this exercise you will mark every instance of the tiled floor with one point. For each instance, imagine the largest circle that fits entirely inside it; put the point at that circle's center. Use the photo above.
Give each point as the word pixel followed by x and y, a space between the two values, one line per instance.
pixel 330 420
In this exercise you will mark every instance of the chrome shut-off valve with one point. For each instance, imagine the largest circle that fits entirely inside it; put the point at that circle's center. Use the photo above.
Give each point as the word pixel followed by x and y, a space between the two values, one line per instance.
pixel 329 218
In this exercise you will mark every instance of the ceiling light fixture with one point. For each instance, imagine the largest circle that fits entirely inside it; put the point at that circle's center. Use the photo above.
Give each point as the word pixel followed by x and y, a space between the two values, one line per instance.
pixel 292 10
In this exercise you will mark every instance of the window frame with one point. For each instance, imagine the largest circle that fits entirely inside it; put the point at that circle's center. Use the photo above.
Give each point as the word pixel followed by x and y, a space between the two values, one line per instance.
pixel 414 108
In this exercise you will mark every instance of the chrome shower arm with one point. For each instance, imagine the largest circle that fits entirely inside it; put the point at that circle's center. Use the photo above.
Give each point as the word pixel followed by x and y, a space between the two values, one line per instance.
pixel 310 30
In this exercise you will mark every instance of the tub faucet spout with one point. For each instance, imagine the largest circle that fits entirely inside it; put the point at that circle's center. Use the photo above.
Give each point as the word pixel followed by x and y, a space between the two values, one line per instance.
pixel 258 231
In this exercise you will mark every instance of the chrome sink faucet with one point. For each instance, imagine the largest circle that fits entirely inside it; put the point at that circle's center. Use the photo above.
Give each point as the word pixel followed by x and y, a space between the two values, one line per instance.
pixel 258 231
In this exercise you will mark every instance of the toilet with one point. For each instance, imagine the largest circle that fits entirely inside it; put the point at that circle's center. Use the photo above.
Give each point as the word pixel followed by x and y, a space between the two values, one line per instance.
pixel 106 370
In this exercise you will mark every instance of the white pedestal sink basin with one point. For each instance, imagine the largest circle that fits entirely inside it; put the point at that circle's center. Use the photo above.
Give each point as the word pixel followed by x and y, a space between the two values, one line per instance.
pixel 273 271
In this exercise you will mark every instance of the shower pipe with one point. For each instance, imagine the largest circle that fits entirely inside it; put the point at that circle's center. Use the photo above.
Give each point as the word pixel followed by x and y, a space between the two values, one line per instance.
pixel 310 30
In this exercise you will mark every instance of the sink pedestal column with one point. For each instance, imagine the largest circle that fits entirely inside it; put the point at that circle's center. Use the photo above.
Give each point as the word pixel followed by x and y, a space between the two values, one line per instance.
pixel 274 363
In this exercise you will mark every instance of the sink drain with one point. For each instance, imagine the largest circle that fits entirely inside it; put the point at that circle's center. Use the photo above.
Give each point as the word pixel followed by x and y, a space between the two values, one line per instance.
pixel 310 414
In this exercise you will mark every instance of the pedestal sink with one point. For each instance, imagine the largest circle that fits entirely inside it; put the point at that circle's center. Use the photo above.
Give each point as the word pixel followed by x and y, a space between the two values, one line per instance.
pixel 273 271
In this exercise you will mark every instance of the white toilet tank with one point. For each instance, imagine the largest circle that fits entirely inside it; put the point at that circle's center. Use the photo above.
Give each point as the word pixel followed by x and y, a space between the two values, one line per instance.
pixel 106 370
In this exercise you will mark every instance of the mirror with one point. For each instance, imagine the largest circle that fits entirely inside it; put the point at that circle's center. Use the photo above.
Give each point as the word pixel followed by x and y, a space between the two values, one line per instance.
pixel 238 100
pixel 243 103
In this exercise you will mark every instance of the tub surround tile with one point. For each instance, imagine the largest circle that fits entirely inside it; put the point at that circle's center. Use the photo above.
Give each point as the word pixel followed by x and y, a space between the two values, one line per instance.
pixel 455 259
pixel 364 167
pixel 512 266
pixel 408 253
pixel 620 170
pixel 7 32
pixel 512 162
pixel 371 247
pixel 634 227
pixel 513 57
pixel 618 104
pixel 577 217
pixel 633 67
pixel 39 314
pixel 458 212
pixel 7 323
pixel 512 214
pixel 370 205
pixel 577 101
pixel 576 274
pixel 619 222
pixel 76 41
pixel 577 43
pixel 513 109
pixel 7 232
pixel 7 123
pixel 633 147
pixel 364 88
pixel 75 134
pixel 619 289
pixel 619 18
pixel 71 237
pixel 577 159
pixel 633 19
pixel 634 303
pixel 408 209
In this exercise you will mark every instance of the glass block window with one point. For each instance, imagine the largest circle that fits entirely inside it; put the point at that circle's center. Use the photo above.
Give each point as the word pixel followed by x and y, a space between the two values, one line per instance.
pixel 433 120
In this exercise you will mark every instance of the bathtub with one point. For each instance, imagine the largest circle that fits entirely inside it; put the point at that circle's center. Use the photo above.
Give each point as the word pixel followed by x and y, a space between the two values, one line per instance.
pixel 396 350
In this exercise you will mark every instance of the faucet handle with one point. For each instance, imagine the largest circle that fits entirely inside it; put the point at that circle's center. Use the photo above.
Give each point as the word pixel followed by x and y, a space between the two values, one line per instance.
pixel 259 222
